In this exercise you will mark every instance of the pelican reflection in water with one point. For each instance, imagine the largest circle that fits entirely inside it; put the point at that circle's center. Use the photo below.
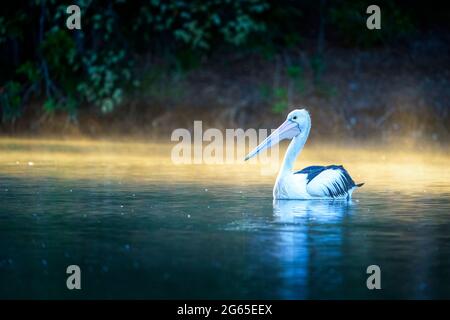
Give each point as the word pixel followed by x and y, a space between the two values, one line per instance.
pixel 303 252
pixel 291 211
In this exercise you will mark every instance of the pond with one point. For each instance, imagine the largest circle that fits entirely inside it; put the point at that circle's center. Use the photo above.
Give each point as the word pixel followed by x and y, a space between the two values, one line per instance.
pixel 139 226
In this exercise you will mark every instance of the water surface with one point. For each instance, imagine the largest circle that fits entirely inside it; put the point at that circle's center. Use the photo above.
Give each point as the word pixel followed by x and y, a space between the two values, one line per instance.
pixel 141 227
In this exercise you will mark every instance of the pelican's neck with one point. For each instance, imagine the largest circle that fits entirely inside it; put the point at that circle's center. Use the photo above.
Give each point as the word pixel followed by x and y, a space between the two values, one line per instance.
pixel 294 149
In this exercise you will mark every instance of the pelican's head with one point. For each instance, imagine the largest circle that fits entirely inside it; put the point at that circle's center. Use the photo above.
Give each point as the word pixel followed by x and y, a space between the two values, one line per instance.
pixel 298 122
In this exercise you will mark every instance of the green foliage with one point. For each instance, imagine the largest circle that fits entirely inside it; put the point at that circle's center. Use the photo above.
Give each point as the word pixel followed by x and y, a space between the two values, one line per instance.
pixel 280 100
pixel 296 83
pixel 58 49
pixel 277 97
pixel 29 71
pixel 296 76
pixel 95 65
pixel 197 23
pixel 12 25
pixel 265 92
pixel 101 64
pixel 50 105
pixel 104 81
pixel 10 99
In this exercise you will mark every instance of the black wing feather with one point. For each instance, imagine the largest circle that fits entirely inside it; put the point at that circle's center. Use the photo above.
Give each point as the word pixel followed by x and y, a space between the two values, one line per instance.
pixel 339 187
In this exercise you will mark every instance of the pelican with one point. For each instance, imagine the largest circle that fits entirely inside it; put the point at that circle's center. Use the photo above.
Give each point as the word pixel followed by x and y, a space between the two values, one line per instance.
pixel 314 182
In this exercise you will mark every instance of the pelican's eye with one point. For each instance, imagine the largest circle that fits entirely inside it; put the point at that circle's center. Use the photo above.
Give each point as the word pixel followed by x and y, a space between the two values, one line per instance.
pixel 294 117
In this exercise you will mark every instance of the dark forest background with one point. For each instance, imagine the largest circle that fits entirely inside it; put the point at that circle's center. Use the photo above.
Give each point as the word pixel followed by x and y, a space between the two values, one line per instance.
pixel 145 67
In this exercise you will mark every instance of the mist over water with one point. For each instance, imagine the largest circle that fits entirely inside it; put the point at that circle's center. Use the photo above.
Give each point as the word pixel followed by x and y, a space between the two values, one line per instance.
pixel 141 227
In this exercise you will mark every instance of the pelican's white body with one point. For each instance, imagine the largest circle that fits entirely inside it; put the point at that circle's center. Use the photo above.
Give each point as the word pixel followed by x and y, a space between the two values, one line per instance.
pixel 290 186
pixel 294 186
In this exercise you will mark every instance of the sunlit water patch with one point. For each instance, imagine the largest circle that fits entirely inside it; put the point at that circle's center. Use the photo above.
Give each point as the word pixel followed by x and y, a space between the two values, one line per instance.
pixel 141 227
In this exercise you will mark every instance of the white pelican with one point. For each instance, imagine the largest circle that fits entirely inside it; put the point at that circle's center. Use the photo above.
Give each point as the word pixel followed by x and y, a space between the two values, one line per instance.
pixel 315 182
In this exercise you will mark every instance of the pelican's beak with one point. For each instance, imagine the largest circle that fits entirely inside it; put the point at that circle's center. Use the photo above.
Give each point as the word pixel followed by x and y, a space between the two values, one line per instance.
pixel 287 130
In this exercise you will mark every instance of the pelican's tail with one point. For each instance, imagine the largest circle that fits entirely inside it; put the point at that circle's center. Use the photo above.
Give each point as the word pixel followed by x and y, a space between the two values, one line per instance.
pixel 359 185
